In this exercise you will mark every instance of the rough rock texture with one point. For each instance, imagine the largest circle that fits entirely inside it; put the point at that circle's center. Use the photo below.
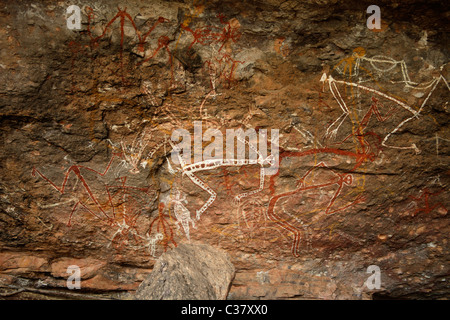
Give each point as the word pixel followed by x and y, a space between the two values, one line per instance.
pixel 192 271
pixel 86 172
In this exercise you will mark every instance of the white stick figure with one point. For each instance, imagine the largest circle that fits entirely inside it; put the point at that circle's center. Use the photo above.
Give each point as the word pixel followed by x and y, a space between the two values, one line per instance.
pixel 182 214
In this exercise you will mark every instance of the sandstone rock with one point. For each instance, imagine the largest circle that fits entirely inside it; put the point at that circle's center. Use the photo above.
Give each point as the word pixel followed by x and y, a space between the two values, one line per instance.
pixel 87 177
pixel 88 267
pixel 192 271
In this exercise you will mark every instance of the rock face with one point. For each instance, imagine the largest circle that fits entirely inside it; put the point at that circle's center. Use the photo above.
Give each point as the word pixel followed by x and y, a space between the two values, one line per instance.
pixel 118 123
pixel 190 272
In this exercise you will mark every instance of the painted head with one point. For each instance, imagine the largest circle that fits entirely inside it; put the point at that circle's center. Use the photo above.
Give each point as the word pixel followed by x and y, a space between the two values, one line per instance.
pixel 359 52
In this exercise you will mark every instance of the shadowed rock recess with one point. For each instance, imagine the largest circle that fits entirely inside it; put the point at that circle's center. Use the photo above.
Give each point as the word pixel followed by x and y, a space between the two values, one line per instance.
pixel 119 157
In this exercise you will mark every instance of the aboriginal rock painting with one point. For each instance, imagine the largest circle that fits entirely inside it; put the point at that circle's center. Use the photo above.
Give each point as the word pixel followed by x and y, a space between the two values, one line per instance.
pixel 150 45
pixel 150 194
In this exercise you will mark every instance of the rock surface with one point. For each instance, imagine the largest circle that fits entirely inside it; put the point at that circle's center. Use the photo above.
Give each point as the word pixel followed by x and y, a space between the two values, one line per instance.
pixel 189 272
pixel 86 172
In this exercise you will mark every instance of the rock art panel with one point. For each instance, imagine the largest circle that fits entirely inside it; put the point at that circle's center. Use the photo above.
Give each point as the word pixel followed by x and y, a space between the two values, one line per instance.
pixel 305 144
